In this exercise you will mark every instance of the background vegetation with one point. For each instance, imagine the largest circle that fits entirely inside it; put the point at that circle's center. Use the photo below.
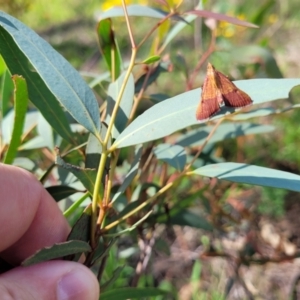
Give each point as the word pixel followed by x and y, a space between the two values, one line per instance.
pixel 245 249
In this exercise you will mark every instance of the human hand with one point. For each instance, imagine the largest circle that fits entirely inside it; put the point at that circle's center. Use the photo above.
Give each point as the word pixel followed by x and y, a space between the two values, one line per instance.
pixel 29 220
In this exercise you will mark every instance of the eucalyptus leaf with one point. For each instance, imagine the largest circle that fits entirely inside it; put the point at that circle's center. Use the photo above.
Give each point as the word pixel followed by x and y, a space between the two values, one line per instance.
pixel 39 94
pixel 56 251
pixel 60 192
pixel 81 230
pixel 59 76
pixel 179 112
pixel 133 10
pixel 86 176
pixel 243 173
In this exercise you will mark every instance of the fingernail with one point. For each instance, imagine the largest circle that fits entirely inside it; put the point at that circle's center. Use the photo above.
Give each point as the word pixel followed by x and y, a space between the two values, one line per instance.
pixel 73 286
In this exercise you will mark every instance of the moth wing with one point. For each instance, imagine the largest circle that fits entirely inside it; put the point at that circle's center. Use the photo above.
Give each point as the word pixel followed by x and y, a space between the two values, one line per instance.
pixel 209 103
pixel 231 94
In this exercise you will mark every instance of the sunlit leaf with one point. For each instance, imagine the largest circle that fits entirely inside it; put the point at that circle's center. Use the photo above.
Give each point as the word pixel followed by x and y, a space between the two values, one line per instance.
pixel 179 112
pixel 39 93
pixel 249 174
pixel 151 59
pixel 7 88
pixel 134 10
pixel 109 47
pixel 60 77
pixel 21 100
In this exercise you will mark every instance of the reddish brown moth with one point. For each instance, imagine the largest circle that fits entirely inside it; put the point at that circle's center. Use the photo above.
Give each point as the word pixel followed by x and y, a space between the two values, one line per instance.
pixel 217 91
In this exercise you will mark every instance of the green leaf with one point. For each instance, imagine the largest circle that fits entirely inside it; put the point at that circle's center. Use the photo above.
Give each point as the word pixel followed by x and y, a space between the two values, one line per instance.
pixel 58 250
pixel 131 293
pixel 60 192
pixel 243 173
pixel 86 176
pixel 131 173
pixel 7 88
pixel 109 47
pixel 225 131
pixel 179 112
pixel 60 77
pixel 21 100
pixel 81 230
pixel 3 68
pixel 151 59
pixel 125 105
pixel 174 155
pixel 39 93
pixel 133 10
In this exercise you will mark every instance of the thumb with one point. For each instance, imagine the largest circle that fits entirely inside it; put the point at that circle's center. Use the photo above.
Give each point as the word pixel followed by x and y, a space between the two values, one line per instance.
pixel 53 280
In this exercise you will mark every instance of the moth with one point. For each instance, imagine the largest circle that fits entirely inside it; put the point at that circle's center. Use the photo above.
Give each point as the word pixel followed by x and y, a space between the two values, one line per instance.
pixel 217 91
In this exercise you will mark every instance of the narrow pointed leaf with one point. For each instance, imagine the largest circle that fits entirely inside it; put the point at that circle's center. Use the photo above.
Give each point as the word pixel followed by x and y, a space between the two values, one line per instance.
pixel 60 192
pixel 56 251
pixel 174 155
pixel 86 176
pixel 7 88
pixel 39 94
pixel 243 173
pixel 81 230
pixel 21 100
pixel 221 17
pixel 179 112
pixel 134 10
pixel 151 59
pixel 109 47
pixel 59 76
